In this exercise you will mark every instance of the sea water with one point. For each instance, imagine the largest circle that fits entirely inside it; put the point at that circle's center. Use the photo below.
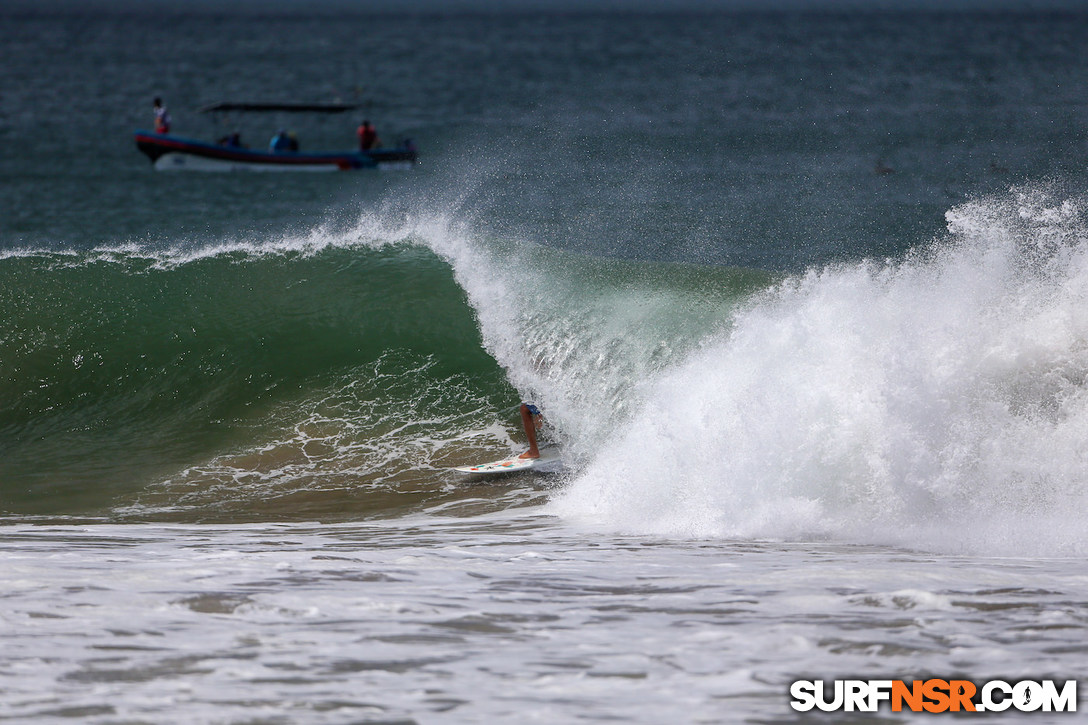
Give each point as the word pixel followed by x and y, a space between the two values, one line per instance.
pixel 801 295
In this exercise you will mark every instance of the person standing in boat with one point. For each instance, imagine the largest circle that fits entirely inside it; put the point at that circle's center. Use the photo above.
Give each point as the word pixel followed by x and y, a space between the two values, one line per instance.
pixel 368 136
pixel 162 116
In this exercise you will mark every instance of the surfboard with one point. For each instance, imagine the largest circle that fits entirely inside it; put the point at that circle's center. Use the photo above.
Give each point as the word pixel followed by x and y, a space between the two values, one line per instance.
pixel 548 462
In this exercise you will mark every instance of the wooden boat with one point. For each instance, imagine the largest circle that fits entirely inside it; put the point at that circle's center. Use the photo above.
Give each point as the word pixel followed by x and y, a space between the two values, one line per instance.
pixel 169 152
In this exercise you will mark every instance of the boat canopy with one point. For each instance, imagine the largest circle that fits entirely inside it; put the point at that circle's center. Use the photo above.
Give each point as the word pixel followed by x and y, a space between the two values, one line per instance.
pixel 287 107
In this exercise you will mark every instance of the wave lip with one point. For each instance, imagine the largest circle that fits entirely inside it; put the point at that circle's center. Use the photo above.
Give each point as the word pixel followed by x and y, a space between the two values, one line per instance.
pixel 939 402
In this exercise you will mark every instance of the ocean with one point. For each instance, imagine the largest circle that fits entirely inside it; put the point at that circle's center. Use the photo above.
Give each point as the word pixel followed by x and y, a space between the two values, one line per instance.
pixel 801 294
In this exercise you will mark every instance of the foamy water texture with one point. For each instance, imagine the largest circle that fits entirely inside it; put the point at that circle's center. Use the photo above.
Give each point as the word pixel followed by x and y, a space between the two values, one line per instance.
pixel 938 402
pixel 504 617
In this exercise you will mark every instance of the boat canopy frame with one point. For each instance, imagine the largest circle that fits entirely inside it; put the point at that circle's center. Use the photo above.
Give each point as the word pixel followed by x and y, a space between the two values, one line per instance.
pixel 279 107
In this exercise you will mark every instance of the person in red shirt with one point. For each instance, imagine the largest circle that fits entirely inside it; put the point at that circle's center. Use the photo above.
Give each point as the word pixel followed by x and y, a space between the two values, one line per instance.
pixel 368 137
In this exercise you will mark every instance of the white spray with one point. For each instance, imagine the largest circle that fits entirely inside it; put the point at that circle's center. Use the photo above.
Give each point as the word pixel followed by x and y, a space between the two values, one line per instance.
pixel 939 403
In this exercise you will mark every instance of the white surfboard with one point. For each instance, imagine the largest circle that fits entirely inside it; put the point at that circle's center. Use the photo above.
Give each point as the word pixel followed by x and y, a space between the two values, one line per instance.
pixel 548 462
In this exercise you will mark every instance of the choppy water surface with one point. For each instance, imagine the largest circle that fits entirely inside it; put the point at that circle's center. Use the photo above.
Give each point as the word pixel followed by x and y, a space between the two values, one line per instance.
pixel 510 617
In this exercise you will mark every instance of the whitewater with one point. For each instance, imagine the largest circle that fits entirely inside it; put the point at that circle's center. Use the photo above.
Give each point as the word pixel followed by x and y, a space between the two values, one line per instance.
pixel 936 402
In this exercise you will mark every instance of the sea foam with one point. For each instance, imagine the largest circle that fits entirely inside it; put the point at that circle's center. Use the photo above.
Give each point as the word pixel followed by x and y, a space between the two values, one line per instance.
pixel 937 402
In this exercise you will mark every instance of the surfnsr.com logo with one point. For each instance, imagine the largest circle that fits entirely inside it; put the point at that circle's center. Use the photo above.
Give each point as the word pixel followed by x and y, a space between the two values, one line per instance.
pixel 934 695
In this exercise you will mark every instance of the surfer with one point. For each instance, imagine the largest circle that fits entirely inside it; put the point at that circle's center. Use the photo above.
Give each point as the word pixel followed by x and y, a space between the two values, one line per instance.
pixel 532 421
pixel 546 461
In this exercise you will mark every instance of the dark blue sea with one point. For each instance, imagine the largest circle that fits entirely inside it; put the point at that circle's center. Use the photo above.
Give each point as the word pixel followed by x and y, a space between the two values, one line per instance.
pixel 801 291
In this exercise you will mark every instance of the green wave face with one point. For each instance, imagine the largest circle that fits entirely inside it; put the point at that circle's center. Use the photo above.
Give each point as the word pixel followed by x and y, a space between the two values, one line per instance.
pixel 344 378
pixel 118 369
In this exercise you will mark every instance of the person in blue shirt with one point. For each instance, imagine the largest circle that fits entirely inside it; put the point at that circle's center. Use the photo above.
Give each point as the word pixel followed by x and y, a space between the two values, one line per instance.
pixel 282 142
